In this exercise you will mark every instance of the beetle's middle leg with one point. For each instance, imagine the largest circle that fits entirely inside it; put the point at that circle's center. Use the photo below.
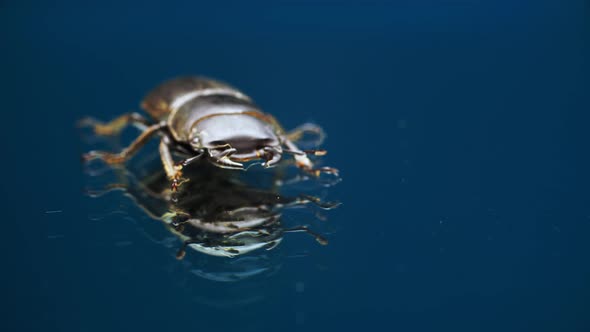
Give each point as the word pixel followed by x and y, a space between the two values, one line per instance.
pixel 128 152
pixel 116 125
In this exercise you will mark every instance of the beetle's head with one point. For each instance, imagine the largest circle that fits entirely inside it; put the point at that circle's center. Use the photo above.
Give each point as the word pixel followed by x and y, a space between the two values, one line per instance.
pixel 233 139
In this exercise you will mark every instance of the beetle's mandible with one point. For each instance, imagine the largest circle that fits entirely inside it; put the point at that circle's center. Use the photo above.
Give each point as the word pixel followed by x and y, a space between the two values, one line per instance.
pixel 203 118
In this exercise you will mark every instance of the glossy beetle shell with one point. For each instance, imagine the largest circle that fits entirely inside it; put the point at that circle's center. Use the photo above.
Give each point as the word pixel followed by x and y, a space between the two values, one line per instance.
pixel 186 100
pixel 159 102
pixel 204 118
pixel 208 113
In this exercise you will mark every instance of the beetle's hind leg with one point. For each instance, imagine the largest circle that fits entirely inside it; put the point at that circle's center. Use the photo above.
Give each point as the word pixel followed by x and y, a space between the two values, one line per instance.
pixel 128 152
pixel 116 125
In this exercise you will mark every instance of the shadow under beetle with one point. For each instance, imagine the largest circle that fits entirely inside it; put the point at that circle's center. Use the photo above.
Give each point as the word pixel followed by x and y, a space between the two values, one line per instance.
pixel 204 118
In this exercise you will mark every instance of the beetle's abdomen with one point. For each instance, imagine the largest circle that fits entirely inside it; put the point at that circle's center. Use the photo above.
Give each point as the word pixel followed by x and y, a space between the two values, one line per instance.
pixel 172 94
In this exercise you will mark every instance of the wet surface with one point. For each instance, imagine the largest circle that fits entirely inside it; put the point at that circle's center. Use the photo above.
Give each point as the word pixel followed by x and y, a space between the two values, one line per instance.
pixel 460 131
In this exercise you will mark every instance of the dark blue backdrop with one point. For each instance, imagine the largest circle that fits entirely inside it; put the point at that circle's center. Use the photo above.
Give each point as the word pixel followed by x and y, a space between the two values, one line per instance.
pixel 460 128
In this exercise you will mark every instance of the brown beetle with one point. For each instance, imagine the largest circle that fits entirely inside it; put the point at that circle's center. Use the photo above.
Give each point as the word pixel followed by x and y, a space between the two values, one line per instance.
pixel 200 117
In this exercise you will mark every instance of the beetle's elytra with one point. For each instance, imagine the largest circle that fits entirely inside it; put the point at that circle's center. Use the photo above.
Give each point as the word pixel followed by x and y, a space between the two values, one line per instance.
pixel 204 118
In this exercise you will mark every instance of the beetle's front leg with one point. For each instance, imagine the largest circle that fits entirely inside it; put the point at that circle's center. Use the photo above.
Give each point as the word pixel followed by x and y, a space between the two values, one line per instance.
pixel 303 162
pixel 128 152
pixel 174 170
pixel 115 126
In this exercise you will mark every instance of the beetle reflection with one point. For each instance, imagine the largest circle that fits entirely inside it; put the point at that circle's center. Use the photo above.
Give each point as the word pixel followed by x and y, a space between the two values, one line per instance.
pixel 217 212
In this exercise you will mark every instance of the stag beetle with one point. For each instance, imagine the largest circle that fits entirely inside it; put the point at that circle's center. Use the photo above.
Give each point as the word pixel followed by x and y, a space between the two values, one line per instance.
pixel 204 118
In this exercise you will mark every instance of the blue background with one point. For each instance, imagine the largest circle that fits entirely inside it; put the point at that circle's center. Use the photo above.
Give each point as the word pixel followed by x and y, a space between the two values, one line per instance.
pixel 460 128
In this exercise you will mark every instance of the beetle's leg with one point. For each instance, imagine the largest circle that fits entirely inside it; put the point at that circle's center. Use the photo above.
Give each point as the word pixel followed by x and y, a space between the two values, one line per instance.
pixel 116 125
pixel 315 152
pixel 297 133
pixel 174 170
pixel 321 240
pixel 128 152
pixel 220 156
pixel 304 163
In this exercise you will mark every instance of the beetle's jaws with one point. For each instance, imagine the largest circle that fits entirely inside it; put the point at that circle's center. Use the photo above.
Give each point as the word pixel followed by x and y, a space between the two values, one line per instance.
pixel 226 162
pixel 222 158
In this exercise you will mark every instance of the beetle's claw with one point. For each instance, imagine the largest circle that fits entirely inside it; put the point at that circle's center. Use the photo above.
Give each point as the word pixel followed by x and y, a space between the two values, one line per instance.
pixel 86 157
pixel 175 185
pixel 98 127
pixel 109 158
pixel 176 178
pixel 177 181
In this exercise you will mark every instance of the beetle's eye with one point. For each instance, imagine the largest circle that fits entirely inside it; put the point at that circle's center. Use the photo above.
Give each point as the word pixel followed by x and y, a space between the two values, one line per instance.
pixel 195 141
